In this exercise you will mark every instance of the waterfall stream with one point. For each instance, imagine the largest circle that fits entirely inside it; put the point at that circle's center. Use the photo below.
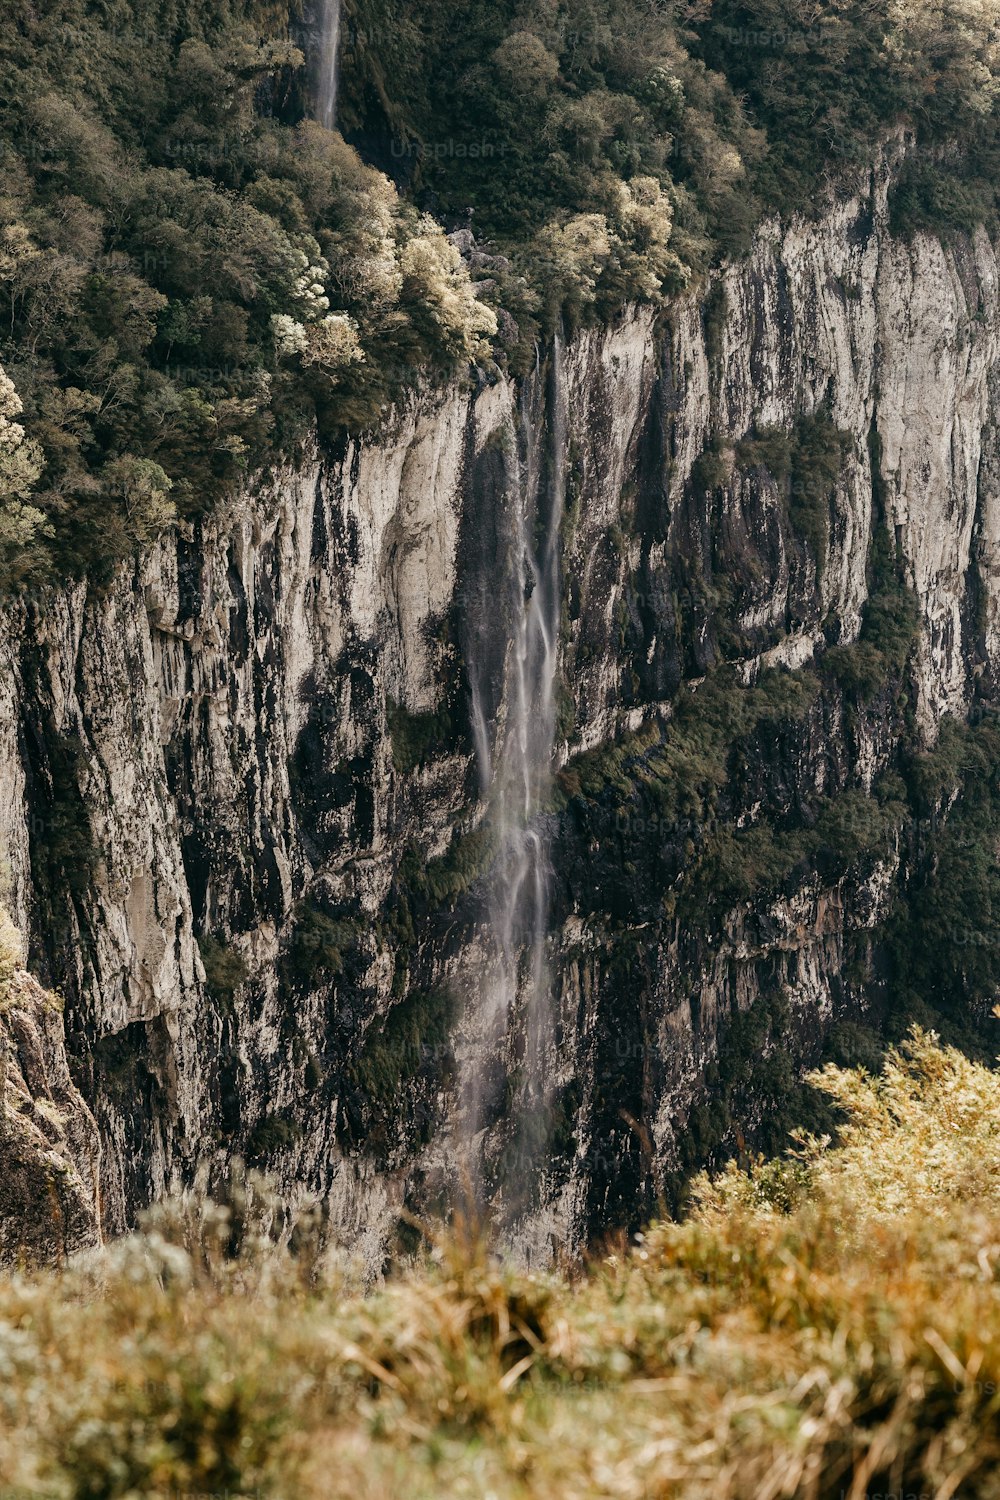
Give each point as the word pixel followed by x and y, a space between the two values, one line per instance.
pixel 516 775
pixel 327 61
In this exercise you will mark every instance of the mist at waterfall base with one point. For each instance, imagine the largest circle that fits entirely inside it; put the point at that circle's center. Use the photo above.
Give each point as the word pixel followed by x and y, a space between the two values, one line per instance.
pixel 515 758
pixel 326 61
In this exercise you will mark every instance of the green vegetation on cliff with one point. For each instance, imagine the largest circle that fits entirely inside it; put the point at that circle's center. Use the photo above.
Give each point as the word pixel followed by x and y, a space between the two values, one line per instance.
pixel 944 940
pixel 193 273
pixel 824 1324
pixel 827 82
pixel 534 116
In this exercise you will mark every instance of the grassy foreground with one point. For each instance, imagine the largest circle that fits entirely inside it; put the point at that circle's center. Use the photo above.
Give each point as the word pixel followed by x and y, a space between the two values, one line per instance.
pixel 828 1325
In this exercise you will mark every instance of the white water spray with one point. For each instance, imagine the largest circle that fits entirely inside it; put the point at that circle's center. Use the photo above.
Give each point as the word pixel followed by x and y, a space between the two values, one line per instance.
pixel 327 60
pixel 517 778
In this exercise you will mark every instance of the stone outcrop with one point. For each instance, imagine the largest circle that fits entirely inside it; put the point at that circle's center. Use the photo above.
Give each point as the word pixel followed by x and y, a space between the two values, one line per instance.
pixel 49 1144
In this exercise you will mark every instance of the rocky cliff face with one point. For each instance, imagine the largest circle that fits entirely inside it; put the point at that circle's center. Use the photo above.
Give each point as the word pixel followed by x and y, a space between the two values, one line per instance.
pixel 260 739
pixel 49 1145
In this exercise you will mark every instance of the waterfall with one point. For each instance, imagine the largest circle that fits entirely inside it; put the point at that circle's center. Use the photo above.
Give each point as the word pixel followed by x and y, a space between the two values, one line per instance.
pixel 326 62
pixel 516 775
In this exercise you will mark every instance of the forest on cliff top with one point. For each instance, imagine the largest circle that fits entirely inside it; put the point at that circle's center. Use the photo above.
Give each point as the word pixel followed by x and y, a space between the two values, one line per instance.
pixel 194 275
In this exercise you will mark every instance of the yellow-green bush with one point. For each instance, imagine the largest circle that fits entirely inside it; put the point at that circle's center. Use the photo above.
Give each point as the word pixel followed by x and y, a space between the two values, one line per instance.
pixel 824 1325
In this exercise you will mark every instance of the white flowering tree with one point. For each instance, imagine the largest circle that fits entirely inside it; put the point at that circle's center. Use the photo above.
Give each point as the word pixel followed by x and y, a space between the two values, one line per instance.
pixel 643 226
pixel 312 333
pixel 435 278
pixel 20 458
pixel 572 257
pixel 365 268
pixel 20 467
pixel 144 489
pixel 330 343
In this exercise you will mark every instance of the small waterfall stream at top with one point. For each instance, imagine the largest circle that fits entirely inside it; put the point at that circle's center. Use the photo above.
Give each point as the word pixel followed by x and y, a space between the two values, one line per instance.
pixel 327 58
pixel 516 775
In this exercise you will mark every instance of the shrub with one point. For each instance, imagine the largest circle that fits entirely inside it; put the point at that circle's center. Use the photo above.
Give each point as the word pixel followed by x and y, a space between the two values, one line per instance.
pixel 714 313
pixel 890 626
pixel 826 1319
pixel 806 465
pixel 64 854
pixel 684 764
pixel 736 865
pixel 943 195
pixel 451 874
pixel 225 970
pixel 944 942
pixel 771 449
pixel 319 943
pixel 413 1036
pixel 817 460
pixel 270 1135
pixel 860 669
pixel 417 738
pixel 855 824
pixel 710 470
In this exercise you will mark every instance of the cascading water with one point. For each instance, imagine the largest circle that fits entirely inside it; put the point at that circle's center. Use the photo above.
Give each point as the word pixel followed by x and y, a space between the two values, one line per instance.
pixel 327 57
pixel 516 777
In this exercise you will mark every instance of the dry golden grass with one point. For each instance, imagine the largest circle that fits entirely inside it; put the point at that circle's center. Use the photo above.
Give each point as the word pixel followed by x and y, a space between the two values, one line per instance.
pixel 828 1325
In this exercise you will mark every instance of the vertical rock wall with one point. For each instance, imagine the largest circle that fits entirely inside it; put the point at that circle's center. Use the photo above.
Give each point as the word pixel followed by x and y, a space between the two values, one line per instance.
pixel 263 728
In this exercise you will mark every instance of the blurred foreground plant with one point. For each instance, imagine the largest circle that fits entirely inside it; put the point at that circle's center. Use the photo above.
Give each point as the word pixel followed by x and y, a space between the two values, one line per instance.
pixel 823 1325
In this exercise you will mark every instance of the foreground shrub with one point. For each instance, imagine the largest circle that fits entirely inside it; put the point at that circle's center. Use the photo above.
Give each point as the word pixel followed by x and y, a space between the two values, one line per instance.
pixel 823 1325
